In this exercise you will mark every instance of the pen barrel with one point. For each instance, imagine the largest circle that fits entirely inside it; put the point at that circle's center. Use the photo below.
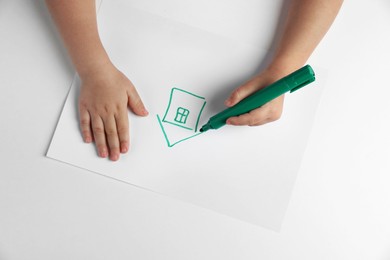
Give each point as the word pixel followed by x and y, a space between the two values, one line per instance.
pixel 291 82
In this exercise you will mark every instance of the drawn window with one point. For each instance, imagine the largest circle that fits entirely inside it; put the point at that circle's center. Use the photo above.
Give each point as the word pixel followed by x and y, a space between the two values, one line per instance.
pixel 182 115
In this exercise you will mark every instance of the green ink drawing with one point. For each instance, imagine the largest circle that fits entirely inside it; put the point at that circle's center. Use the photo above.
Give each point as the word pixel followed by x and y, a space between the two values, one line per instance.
pixel 181 118
pixel 167 139
pixel 181 115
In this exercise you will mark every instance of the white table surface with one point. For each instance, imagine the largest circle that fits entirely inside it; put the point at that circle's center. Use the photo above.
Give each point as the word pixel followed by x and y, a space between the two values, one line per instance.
pixel 340 207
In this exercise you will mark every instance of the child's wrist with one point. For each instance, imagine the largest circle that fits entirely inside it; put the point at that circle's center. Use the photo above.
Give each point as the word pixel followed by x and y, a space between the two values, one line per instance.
pixel 96 69
pixel 285 66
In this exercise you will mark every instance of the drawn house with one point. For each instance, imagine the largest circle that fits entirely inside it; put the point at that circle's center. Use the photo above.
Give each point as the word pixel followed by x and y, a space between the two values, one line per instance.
pixel 181 119
pixel 184 109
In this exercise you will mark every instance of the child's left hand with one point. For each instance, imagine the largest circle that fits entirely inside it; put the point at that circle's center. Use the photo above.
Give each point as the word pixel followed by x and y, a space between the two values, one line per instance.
pixel 269 112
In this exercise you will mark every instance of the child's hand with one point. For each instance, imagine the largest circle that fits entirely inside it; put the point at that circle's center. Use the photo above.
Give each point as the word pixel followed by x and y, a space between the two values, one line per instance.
pixel 269 112
pixel 103 101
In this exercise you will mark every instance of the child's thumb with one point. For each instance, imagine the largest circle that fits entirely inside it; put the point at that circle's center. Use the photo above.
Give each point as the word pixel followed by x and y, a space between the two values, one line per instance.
pixel 136 105
pixel 240 93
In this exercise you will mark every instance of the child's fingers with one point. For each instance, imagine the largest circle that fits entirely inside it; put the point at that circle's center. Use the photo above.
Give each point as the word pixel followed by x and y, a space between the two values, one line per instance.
pixel 85 124
pixel 122 124
pixel 112 137
pixel 99 135
pixel 269 112
pixel 135 103
pixel 254 118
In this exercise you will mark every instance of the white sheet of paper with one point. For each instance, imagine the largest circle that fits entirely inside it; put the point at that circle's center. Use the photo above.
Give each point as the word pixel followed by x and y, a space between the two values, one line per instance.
pixel 245 172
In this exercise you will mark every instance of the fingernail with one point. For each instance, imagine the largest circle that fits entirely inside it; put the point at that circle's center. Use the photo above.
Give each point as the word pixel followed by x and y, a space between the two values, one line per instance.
pixel 145 112
pixel 228 102
pixel 228 122
pixel 103 153
pixel 88 139
pixel 114 157
pixel 124 149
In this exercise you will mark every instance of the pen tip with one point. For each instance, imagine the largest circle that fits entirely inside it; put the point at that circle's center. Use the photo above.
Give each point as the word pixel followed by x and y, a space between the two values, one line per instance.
pixel 204 128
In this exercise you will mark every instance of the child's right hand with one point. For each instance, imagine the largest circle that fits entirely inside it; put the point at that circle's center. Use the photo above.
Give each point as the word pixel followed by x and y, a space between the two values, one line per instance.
pixel 104 97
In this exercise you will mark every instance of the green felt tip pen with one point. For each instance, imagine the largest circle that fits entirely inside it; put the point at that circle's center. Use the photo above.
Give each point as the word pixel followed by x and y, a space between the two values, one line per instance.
pixel 291 82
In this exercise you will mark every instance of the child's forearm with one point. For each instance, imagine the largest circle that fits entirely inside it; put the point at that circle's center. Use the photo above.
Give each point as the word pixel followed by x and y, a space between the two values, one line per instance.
pixel 76 21
pixel 307 23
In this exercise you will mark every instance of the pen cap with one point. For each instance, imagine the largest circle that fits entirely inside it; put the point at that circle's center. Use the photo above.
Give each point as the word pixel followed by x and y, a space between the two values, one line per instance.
pixel 301 77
